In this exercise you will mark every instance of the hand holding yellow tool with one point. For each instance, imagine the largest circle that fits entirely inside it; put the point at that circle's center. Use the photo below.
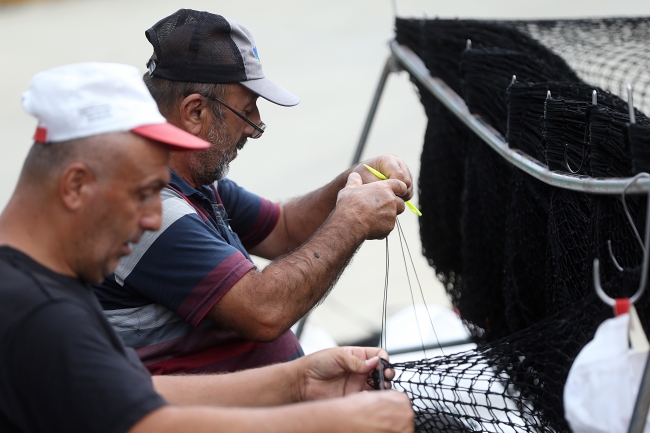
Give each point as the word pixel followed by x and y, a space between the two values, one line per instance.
pixel 407 202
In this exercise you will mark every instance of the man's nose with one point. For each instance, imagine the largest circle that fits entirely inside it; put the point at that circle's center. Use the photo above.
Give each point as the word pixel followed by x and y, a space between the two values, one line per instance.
pixel 255 116
pixel 152 217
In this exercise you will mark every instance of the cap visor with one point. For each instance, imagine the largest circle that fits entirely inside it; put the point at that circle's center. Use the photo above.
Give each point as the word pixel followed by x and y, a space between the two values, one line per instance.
pixel 174 137
pixel 270 91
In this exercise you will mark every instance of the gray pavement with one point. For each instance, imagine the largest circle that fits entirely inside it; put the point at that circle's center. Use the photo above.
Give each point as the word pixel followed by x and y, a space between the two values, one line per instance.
pixel 330 53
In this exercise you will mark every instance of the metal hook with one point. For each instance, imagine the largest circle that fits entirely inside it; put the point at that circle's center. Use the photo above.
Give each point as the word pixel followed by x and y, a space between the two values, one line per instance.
pixel 548 94
pixel 594 101
pixel 627 211
pixel 468 44
pixel 566 159
pixel 630 104
pixel 514 79
pixel 644 266
pixel 611 255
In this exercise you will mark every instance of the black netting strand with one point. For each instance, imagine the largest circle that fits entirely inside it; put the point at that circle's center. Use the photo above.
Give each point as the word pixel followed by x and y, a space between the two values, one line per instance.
pixel 440 188
pixel 486 74
pixel 639 139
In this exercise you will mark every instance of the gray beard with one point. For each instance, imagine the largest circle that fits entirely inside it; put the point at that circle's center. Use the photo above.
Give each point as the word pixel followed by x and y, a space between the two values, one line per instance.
pixel 212 164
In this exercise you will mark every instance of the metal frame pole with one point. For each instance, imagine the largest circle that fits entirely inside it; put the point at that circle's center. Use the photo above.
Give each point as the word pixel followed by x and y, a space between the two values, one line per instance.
pixel 391 66
pixel 642 405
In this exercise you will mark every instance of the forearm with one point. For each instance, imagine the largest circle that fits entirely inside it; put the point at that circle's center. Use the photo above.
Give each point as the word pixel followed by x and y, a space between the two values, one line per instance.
pixel 314 417
pixel 299 219
pixel 268 386
pixel 304 276
pixel 274 299
pixel 304 215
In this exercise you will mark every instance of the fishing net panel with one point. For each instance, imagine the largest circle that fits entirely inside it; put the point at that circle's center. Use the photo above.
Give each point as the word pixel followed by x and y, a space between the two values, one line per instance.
pixel 516 254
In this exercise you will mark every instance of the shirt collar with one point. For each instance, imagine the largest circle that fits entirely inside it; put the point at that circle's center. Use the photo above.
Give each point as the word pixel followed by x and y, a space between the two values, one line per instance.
pixel 188 190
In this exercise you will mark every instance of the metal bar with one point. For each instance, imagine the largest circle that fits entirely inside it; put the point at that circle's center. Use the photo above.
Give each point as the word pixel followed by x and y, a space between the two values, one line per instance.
pixel 388 68
pixel 640 413
pixel 429 347
pixel 612 186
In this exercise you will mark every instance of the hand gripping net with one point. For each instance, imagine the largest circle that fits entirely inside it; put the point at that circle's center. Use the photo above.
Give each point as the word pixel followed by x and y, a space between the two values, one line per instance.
pixel 515 255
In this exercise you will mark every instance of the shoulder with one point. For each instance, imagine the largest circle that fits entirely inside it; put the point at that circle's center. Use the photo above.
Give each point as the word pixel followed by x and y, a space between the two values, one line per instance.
pixel 22 292
pixel 229 188
pixel 175 210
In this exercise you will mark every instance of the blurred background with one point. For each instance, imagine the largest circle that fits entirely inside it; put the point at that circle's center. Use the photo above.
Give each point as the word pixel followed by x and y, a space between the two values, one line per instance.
pixel 330 53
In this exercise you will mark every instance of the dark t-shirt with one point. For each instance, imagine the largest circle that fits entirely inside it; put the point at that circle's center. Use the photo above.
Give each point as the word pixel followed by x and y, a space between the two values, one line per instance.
pixel 62 367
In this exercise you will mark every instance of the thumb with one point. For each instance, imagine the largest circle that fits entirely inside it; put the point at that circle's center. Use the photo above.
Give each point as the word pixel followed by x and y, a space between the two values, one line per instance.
pixel 355 365
pixel 354 179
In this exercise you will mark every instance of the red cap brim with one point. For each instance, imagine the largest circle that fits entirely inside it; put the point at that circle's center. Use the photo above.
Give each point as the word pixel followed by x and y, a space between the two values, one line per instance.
pixel 174 137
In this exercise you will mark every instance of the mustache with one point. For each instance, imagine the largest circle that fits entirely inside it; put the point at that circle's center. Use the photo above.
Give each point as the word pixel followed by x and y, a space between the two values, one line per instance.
pixel 241 143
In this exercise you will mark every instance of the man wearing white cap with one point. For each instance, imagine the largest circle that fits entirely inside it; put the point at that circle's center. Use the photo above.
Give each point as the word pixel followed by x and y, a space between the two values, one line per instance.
pixel 89 188
pixel 190 298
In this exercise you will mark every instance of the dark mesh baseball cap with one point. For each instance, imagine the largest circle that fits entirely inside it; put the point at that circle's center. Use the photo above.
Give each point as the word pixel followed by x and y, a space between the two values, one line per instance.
pixel 201 47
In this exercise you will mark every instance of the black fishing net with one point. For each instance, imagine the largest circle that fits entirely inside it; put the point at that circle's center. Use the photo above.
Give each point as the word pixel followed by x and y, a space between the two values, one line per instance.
pixel 514 253
pixel 486 74
pixel 511 385
pixel 443 160
pixel 564 127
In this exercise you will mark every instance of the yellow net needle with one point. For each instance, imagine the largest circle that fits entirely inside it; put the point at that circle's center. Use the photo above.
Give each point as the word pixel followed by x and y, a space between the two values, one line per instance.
pixel 382 177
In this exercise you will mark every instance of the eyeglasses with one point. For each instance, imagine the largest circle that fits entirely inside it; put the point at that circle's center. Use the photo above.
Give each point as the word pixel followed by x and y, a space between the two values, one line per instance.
pixel 259 129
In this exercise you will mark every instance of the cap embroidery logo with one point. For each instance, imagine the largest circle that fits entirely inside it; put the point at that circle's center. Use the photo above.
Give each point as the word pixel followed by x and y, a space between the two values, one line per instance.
pixel 257 56
pixel 96 113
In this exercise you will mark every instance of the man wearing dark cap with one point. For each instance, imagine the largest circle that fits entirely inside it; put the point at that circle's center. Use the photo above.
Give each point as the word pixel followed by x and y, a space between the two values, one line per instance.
pixel 189 298
pixel 88 190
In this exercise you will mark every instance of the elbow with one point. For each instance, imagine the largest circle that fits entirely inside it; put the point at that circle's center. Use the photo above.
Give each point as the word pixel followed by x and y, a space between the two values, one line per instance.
pixel 268 327
pixel 266 335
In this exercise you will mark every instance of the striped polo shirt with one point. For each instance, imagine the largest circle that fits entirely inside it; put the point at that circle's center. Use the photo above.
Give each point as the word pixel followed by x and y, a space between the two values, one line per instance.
pixel 159 295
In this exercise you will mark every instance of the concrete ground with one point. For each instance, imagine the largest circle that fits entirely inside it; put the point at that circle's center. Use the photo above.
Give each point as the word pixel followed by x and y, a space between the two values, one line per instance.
pixel 330 53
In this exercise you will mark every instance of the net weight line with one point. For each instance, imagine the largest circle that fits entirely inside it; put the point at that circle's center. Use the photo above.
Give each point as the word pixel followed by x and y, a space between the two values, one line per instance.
pixel 403 56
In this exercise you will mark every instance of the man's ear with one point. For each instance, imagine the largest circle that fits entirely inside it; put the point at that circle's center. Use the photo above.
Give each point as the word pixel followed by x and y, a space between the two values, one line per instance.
pixel 76 184
pixel 194 111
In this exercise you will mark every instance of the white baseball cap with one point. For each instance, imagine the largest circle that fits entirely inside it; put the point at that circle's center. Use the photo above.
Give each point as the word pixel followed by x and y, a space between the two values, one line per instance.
pixel 86 99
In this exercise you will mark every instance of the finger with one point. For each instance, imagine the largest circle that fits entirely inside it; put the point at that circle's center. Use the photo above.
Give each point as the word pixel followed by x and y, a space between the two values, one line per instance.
pixel 382 353
pixel 399 188
pixel 372 363
pixel 387 164
pixel 353 364
pixel 354 179
pixel 401 206
pixel 394 167
pixel 366 352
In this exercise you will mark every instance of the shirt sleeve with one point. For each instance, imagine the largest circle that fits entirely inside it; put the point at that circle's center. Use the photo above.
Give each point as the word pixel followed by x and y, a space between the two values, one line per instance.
pixel 187 266
pixel 252 217
pixel 67 375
